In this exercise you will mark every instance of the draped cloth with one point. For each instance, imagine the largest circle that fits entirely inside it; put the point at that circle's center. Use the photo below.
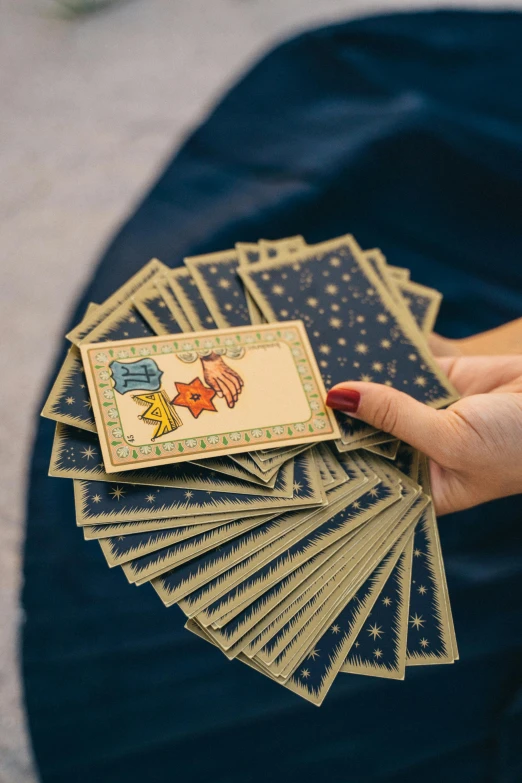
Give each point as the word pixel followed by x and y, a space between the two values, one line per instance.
pixel 405 130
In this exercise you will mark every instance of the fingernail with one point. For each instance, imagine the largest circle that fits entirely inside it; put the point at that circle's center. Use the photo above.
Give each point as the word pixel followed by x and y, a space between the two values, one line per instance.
pixel 346 400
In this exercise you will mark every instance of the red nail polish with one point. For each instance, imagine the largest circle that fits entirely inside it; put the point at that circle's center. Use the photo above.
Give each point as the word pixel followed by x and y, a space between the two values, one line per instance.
pixel 346 400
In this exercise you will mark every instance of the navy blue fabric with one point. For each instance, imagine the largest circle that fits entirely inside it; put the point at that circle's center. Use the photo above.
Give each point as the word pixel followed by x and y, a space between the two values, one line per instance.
pixel 407 131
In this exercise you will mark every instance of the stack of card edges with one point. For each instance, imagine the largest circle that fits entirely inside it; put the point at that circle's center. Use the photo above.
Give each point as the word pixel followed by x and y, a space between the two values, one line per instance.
pixel 191 418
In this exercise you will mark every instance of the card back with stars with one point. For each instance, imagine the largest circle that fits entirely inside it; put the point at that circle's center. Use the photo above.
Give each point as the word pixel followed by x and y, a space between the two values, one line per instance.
pixel 157 400
pixel 356 328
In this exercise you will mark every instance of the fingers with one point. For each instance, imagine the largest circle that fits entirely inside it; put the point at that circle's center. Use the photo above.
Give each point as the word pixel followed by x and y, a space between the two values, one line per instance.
pixel 393 411
pixel 236 377
pixel 235 380
pixel 481 374
pixel 228 390
pixel 443 346
pixel 212 382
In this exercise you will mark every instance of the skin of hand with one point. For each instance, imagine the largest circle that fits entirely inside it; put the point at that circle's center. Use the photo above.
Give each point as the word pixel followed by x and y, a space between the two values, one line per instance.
pixel 223 379
pixel 474 445
pixel 505 339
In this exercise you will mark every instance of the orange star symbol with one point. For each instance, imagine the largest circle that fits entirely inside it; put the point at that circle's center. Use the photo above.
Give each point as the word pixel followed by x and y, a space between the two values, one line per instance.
pixel 195 396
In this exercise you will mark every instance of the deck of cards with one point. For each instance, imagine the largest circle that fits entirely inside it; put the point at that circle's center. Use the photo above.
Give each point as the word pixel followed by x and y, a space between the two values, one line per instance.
pixel 191 418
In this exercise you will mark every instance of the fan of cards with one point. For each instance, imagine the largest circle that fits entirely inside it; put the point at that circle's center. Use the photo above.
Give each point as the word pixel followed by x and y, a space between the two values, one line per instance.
pixel 191 417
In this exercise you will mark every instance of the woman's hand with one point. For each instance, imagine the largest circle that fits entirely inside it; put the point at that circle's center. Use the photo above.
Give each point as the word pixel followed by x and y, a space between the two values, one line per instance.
pixel 475 445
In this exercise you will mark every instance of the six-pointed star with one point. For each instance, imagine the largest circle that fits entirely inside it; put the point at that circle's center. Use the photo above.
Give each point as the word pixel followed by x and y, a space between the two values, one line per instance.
pixel 194 396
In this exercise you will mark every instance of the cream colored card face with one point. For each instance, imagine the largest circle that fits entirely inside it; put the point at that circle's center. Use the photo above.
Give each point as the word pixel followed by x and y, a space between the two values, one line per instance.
pixel 157 400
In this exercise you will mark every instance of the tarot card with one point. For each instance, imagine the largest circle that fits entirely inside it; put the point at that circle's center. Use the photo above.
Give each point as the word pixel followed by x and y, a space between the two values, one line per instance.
pixel 220 568
pixel 273 248
pixel 353 514
pixel 357 560
pixel 316 668
pixel 123 294
pixel 202 581
pixel 379 649
pixel 247 463
pixel 249 253
pixel 122 549
pixel 420 304
pixel 399 272
pixel 190 300
pixel 69 401
pixel 300 586
pixel 313 677
pixel 100 502
pixel 77 454
pixel 229 467
pixel 150 565
pixel 354 323
pixel 140 424
pixel 431 633
pixel 386 450
pixel 216 277
pixel 158 307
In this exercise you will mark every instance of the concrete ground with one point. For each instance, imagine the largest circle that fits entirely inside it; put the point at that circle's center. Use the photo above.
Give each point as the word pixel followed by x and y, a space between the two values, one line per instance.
pixel 91 108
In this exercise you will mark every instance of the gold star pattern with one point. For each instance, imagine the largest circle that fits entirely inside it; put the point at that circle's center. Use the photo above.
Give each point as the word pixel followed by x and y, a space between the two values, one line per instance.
pixel 150 498
pixel 312 301
pixel 223 282
pixel 417 553
pixel 96 498
pixel 70 400
pixel 324 348
pixel 117 493
pixel 341 341
pixel 278 290
pixel 335 261
pixel 305 673
pixel 385 343
pixel 420 380
pixel 412 357
pixel 375 631
pixel 361 348
pixel 424 643
pixel 335 628
pixel 88 452
pixel 314 654
pixel 88 404
pixel 189 494
pixel 387 600
pixel 417 621
pixel 377 366
pixel 335 323
pixel 382 318
pixel 331 289
pixel 422 589
pixel 297 487
pixel 365 377
pixel 378 653
pixel 373 492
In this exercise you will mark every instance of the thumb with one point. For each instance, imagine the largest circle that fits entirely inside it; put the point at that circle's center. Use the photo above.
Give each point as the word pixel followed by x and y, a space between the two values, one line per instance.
pixel 394 412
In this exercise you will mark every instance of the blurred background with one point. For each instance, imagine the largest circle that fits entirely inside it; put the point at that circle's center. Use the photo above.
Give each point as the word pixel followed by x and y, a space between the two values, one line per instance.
pixel 94 99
